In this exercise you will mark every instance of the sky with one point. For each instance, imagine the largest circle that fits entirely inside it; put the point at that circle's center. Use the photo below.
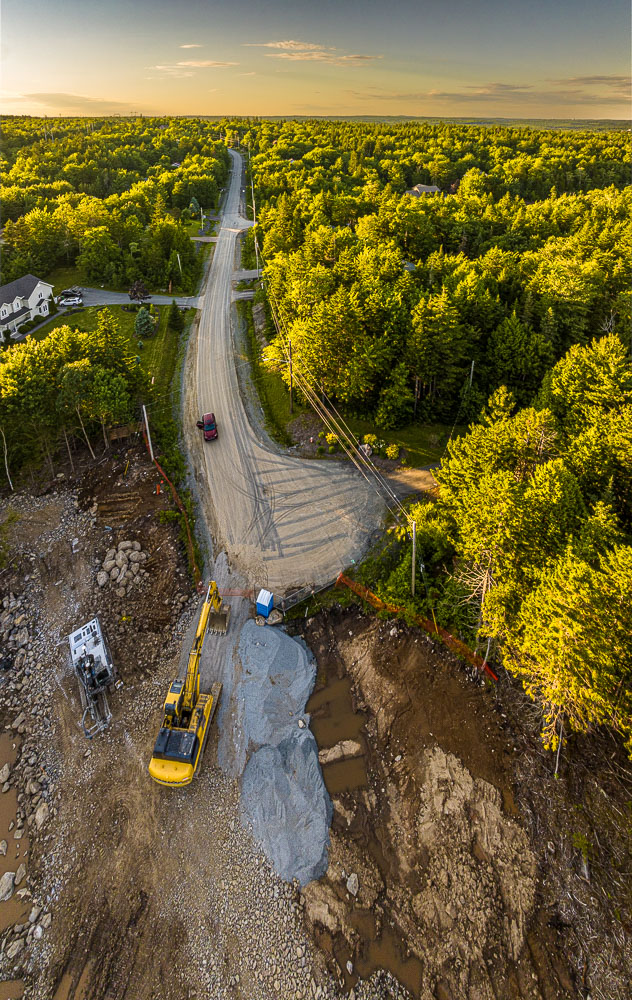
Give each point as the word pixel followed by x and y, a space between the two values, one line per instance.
pixel 483 58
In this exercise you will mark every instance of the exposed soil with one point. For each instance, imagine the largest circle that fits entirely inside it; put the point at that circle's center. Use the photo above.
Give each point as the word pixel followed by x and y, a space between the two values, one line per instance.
pixel 460 841
pixel 131 891
pixel 458 864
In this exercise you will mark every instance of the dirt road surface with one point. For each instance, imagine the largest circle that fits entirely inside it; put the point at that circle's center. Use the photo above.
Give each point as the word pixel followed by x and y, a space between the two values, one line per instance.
pixel 283 522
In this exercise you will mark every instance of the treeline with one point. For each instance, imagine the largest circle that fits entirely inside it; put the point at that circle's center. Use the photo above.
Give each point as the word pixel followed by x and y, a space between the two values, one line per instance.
pixel 109 196
pixel 389 300
pixel 66 386
pixel 528 544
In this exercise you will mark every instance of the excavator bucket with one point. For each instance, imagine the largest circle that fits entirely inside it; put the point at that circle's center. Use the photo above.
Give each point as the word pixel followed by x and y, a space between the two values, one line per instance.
pixel 218 619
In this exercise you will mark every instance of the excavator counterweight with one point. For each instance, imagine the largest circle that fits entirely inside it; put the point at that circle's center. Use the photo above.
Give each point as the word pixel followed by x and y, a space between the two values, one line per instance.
pixel 188 714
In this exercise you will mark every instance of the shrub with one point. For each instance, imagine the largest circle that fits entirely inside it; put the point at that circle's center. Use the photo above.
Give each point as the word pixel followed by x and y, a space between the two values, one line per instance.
pixel 143 324
pixel 392 451
pixel 331 439
pixel 370 439
pixel 321 434
pixel 320 450
pixel 332 449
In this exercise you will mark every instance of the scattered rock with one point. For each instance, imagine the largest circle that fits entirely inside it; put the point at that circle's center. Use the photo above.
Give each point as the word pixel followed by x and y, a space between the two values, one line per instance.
pixel 20 875
pixel 14 949
pixel 3 847
pixel 341 751
pixel 102 578
pixel 7 883
pixel 4 773
pixel 353 884
pixel 41 815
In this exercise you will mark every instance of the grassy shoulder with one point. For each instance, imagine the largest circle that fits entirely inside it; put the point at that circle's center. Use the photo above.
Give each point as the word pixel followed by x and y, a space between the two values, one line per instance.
pixel 273 394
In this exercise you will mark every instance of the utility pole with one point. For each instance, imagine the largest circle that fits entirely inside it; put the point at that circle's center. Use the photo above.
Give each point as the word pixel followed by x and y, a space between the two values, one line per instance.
pixel 151 450
pixel 412 581
pixel 291 400
pixel 416 397
pixel 179 262
pixel 471 374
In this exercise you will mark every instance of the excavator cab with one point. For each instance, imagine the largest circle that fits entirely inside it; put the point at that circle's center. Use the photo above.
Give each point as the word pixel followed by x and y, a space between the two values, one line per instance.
pixel 173 701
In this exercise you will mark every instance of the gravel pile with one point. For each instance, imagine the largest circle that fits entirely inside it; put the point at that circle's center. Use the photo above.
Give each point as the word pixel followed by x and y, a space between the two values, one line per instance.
pixel 284 799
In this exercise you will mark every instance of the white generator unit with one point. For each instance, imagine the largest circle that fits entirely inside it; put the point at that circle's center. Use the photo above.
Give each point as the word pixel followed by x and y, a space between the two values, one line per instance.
pixel 92 663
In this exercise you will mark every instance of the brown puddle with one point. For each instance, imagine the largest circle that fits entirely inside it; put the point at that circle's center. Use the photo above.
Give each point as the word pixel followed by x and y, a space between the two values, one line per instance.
pixel 11 990
pixel 333 719
pixel 65 989
pixel 14 910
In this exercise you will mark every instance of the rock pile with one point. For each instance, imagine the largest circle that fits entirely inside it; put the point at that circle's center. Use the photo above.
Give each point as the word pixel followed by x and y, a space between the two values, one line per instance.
pixel 123 567
pixel 24 693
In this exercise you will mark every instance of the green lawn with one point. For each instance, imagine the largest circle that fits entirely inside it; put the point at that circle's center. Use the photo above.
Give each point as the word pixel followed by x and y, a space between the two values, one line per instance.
pixel 65 277
pixel 158 354
pixel 424 443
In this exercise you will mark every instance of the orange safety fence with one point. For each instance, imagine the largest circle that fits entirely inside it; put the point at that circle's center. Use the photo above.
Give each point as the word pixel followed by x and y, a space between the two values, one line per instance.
pixel 446 637
pixel 196 572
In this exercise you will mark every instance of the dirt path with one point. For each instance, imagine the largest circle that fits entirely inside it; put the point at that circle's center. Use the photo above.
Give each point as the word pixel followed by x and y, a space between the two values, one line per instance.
pixel 283 522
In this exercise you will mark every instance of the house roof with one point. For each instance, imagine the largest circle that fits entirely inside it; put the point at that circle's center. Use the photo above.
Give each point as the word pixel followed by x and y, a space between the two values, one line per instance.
pixel 15 315
pixel 424 189
pixel 21 286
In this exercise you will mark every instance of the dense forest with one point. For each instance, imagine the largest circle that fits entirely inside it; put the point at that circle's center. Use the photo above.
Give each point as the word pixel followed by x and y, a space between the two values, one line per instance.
pixel 502 301
pixel 390 298
pixel 109 196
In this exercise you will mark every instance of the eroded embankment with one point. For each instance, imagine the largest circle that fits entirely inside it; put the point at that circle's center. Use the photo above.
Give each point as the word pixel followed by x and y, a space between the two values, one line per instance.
pixel 451 860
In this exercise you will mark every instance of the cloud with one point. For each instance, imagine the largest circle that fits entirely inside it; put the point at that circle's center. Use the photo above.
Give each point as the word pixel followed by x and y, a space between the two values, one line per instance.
pixel 288 44
pixel 615 86
pixel 325 57
pixel 184 67
pixel 206 64
pixel 294 51
pixel 608 81
pixel 251 73
pixel 68 103
pixel 521 94
pixel 194 45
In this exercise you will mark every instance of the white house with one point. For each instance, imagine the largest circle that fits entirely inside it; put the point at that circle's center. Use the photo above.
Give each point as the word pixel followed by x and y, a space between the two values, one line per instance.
pixel 22 300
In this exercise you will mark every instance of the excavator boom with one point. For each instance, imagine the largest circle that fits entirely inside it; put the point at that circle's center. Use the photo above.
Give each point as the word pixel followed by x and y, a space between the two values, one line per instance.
pixel 187 713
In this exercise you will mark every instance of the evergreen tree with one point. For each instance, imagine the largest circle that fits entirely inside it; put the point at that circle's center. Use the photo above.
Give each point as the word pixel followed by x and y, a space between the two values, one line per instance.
pixel 143 324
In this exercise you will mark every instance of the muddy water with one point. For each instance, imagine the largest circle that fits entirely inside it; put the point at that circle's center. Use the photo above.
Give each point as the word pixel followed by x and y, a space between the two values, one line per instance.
pixel 14 910
pixel 11 990
pixel 65 990
pixel 333 718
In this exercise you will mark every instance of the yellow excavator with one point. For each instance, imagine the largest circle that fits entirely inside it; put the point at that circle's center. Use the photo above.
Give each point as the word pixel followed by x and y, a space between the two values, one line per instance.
pixel 187 713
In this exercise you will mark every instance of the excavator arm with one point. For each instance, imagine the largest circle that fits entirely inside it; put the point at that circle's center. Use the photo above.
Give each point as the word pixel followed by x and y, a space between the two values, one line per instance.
pixel 212 615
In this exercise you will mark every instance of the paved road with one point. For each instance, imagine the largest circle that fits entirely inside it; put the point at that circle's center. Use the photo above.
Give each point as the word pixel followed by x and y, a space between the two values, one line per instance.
pixel 282 522
pixel 101 297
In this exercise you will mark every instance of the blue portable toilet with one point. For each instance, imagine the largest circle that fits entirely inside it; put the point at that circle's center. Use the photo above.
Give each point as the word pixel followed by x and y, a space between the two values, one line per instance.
pixel 265 600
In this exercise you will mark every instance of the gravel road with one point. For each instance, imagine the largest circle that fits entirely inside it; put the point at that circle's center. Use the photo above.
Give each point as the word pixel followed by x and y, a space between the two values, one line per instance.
pixel 282 521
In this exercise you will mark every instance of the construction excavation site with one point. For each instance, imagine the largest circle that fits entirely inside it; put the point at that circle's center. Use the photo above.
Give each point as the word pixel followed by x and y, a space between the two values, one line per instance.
pixel 202 800
pixel 369 819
